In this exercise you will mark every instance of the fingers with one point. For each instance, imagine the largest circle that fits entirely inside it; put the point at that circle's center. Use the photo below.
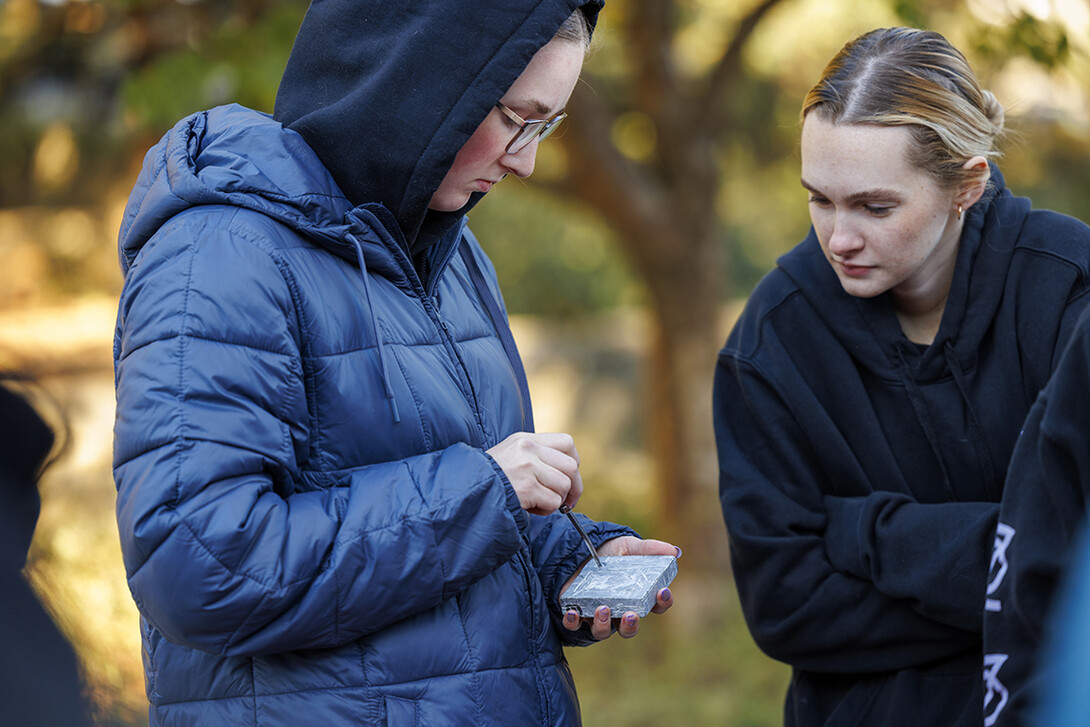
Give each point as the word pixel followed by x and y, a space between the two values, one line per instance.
pixel 576 490
pixel 600 626
pixel 558 441
pixel 628 625
pixel 663 600
pixel 630 545
pixel 542 468
pixel 653 547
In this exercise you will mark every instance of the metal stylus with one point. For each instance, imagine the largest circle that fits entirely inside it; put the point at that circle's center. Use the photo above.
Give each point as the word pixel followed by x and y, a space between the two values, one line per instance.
pixel 582 533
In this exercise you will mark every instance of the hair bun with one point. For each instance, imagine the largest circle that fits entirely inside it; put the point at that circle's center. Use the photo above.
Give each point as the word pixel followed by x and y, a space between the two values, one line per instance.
pixel 994 110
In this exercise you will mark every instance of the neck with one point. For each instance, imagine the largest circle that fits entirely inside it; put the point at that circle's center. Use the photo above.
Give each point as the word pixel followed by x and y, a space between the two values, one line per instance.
pixel 920 310
pixel 921 327
pixel 920 303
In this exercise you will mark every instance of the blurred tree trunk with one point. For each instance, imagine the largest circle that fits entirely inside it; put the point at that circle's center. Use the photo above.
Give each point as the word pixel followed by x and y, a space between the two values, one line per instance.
pixel 664 211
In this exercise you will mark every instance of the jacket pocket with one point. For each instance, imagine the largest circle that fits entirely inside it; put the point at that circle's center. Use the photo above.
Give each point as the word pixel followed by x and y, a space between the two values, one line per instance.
pixel 402 712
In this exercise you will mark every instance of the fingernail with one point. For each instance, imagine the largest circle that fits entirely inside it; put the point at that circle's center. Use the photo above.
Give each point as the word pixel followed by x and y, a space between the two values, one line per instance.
pixel 602 613
pixel 571 617
pixel 665 595
pixel 678 552
pixel 630 619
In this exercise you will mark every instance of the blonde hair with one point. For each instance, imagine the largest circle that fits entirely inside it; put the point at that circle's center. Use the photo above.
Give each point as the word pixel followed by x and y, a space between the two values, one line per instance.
pixel 575 29
pixel 913 78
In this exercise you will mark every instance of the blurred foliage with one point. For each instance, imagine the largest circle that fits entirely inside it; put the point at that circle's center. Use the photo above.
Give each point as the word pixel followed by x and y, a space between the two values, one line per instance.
pixel 237 61
pixel 86 86
pixel 1045 43
pixel 553 260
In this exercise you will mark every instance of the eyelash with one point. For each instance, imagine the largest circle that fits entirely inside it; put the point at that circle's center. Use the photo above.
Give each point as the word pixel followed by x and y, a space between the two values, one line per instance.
pixel 873 210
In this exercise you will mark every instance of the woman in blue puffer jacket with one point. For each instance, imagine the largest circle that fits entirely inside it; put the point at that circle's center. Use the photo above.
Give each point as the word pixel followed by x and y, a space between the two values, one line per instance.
pixel 331 501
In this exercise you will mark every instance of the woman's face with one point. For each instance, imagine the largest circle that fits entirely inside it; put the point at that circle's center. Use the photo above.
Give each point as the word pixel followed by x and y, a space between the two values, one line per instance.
pixel 884 224
pixel 542 90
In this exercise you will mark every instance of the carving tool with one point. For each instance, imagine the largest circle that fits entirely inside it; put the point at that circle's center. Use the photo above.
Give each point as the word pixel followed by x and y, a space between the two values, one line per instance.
pixel 582 533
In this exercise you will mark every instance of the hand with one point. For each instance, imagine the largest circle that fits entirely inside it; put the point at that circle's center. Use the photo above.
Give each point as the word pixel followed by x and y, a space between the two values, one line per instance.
pixel 628 625
pixel 542 468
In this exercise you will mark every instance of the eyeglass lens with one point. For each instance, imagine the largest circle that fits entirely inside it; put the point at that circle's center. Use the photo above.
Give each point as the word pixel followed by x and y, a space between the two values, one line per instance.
pixel 537 129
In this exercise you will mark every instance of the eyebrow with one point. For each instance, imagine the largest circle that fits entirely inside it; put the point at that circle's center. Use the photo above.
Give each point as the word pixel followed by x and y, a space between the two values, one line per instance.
pixel 867 195
pixel 538 106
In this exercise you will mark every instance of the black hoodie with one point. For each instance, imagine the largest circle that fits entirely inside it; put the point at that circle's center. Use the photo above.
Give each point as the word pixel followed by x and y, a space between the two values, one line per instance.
pixel 1043 511
pixel 860 472
pixel 39 678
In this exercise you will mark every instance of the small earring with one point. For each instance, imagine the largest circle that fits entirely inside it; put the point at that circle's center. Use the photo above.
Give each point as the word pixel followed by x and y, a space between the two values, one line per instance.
pixel 960 210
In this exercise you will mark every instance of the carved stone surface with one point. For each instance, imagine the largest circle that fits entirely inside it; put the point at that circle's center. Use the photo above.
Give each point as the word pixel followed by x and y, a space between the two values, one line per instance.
pixel 624 583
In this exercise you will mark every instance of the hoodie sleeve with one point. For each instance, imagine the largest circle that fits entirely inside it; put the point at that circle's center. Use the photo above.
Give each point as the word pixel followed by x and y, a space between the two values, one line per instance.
pixel 934 553
pixel 226 548
pixel 800 608
pixel 1044 507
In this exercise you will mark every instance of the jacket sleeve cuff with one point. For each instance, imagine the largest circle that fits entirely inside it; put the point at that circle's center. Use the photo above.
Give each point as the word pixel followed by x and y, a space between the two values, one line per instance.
pixel 598 532
pixel 842 534
pixel 521 517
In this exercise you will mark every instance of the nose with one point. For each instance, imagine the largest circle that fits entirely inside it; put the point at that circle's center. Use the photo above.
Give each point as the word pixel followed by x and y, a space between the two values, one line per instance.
pixel 843 239
pixel 521 163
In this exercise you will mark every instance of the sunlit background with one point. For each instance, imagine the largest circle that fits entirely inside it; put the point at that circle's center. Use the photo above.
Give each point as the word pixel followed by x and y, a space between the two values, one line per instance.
pixel 87 86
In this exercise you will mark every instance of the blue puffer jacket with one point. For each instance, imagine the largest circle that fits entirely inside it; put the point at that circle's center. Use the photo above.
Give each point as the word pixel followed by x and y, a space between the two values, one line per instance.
pixel 311 527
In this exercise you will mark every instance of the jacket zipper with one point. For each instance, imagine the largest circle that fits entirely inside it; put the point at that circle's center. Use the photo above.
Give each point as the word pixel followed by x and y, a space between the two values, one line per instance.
pixel 432 306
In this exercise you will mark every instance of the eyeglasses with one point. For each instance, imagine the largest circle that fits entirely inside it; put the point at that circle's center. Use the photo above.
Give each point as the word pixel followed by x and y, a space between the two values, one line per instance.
pixel 529 129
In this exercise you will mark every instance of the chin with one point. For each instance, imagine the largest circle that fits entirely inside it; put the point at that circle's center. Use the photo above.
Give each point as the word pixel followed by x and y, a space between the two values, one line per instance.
pixel 447 203
pixel 854 289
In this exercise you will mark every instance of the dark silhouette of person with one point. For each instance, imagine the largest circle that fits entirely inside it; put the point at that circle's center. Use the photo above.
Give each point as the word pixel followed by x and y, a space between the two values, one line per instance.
pixel 39 676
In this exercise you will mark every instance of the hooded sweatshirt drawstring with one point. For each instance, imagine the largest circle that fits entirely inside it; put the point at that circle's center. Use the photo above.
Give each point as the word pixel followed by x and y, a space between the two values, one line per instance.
pixel 374 326
pixel 924 418
pixel 975 429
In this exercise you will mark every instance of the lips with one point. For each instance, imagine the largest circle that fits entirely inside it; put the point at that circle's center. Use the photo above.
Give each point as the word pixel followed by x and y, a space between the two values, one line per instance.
pixel 853 271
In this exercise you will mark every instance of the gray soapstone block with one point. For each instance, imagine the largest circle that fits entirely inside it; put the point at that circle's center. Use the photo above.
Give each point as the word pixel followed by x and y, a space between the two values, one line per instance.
pixel 624 583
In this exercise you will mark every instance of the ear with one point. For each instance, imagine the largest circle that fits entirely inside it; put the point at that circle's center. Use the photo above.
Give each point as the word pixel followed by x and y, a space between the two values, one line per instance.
pixel 978 173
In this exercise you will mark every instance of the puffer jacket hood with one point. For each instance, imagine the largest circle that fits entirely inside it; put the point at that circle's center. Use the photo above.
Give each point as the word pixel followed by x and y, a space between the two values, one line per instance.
pixel 221 156
pixel 387 93
pixel 235 156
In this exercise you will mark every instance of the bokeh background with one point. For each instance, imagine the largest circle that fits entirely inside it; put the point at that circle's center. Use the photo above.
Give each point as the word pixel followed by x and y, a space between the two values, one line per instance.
pixel 671 189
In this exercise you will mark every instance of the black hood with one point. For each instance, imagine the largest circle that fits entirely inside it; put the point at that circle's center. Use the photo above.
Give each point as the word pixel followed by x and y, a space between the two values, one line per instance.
pixel 869 327
pixel 26 443
pixel 387 93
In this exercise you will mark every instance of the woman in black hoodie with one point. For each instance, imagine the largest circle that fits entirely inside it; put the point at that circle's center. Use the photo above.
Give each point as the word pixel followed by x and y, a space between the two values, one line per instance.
pixel 868 399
